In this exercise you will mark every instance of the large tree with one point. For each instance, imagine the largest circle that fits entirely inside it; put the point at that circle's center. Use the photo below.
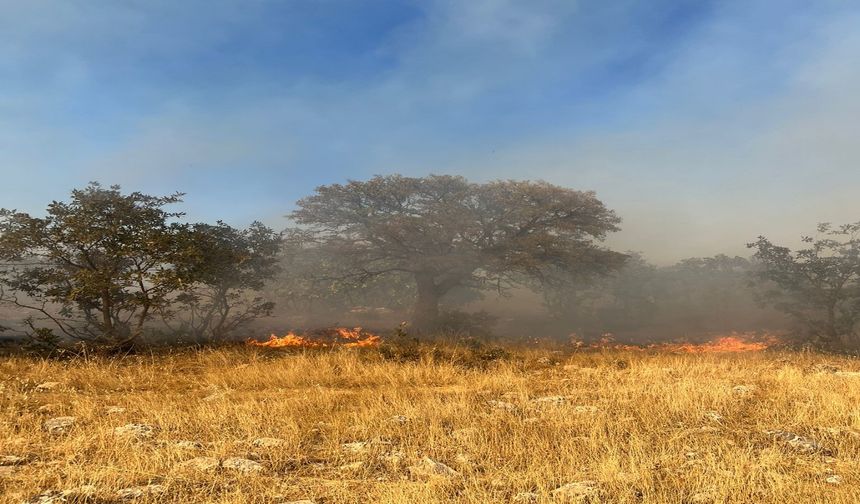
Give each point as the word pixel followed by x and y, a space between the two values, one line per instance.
pixel 95 268
pixel 446 232
pixel 819 285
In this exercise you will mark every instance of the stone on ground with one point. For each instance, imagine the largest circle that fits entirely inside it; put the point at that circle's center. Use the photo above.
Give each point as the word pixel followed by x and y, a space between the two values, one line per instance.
pixel 135 430
pixel 713 416
pixel 11 460
pixel 141 491
pixel 189 445
pixel 202 463
pixel 526 498
pixel 59 425
pixel 579 491
pixel 77 494
pixel 797 442
pixel 429 468
pixel 241 464
pixel 46 386
pixel 502 405
pixel 550 400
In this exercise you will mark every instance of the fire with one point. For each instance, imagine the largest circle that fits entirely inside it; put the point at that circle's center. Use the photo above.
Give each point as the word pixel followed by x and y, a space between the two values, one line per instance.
pixel 726 344
pixel 732 343
pixel 326 338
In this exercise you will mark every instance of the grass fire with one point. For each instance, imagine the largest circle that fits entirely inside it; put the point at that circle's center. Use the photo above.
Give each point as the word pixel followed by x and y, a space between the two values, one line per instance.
pixel 340 336
pixel 429 252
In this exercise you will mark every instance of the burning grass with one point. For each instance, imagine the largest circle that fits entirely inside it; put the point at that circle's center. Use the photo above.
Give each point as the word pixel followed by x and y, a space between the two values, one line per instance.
pixel 249 425
pixel 730 343
pixel 325 338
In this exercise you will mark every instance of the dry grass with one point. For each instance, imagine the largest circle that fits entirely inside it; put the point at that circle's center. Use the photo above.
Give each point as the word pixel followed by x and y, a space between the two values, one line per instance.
pixel 648 437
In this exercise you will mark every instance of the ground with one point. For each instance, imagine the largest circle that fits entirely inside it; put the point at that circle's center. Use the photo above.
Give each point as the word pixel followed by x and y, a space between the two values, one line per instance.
pixel 244 425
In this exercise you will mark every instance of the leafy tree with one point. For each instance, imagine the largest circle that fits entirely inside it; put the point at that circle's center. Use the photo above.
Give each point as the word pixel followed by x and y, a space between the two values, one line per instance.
pixel 819 285
pixel 446 232
pixel 229 267
pixel 95 268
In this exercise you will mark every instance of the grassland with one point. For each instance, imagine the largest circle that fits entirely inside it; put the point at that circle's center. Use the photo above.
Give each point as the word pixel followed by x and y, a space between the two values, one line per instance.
pixel 347 426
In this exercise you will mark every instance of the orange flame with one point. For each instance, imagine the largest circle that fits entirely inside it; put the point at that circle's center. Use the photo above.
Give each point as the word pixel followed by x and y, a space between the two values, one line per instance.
pixel 732 343
pixel 338 336
pixel 726 344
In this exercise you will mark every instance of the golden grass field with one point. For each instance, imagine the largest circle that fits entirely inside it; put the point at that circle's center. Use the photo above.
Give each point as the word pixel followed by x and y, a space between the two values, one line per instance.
pixel 629 427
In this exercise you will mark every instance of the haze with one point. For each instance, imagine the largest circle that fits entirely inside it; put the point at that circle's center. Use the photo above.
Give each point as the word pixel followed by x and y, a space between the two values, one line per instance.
pixel 703 124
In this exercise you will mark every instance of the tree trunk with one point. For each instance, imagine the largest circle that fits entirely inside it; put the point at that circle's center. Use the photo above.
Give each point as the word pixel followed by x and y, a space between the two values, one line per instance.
pixel 425 314
pixel 107 316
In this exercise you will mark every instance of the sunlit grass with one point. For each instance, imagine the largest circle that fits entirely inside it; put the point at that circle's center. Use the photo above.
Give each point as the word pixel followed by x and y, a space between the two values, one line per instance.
pixel 643 427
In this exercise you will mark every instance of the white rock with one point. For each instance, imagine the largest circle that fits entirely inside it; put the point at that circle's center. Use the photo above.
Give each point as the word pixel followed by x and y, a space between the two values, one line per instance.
pixel 48 497
pixel 141 491
pixel 848 374
pixel 202 463
pixel 59 425
pixel 713 416
pixel 429 468
pixel 51 385
pixel 242 465
pixel 502 405
pixel 550 400
pixel 526 498
pixel 135 430
pixel 834 480
pixel 399 419
pixel 188 445
pixel 799 443
pixel 579 490
pixel 394 459
pixel 743 390
pixel 354 466
pixel 355 447
pixel 10 460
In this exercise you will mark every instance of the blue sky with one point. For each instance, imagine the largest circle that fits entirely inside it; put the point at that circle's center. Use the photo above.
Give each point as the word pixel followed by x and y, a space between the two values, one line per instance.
pixel 702 123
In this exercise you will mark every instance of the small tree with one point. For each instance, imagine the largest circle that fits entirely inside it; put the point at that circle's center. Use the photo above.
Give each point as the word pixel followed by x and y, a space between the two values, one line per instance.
pixel 230 267
pixel 446 232
pixel 819 286
pixel 95 268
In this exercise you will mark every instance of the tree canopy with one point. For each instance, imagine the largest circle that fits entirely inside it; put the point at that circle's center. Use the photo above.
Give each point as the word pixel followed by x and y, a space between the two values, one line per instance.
pixel 446 232
pixel 818 285
pixel 106 259
pixel 97 268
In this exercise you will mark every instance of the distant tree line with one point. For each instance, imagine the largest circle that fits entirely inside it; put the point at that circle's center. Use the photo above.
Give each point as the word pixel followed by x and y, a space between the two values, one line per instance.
pixel 107 268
